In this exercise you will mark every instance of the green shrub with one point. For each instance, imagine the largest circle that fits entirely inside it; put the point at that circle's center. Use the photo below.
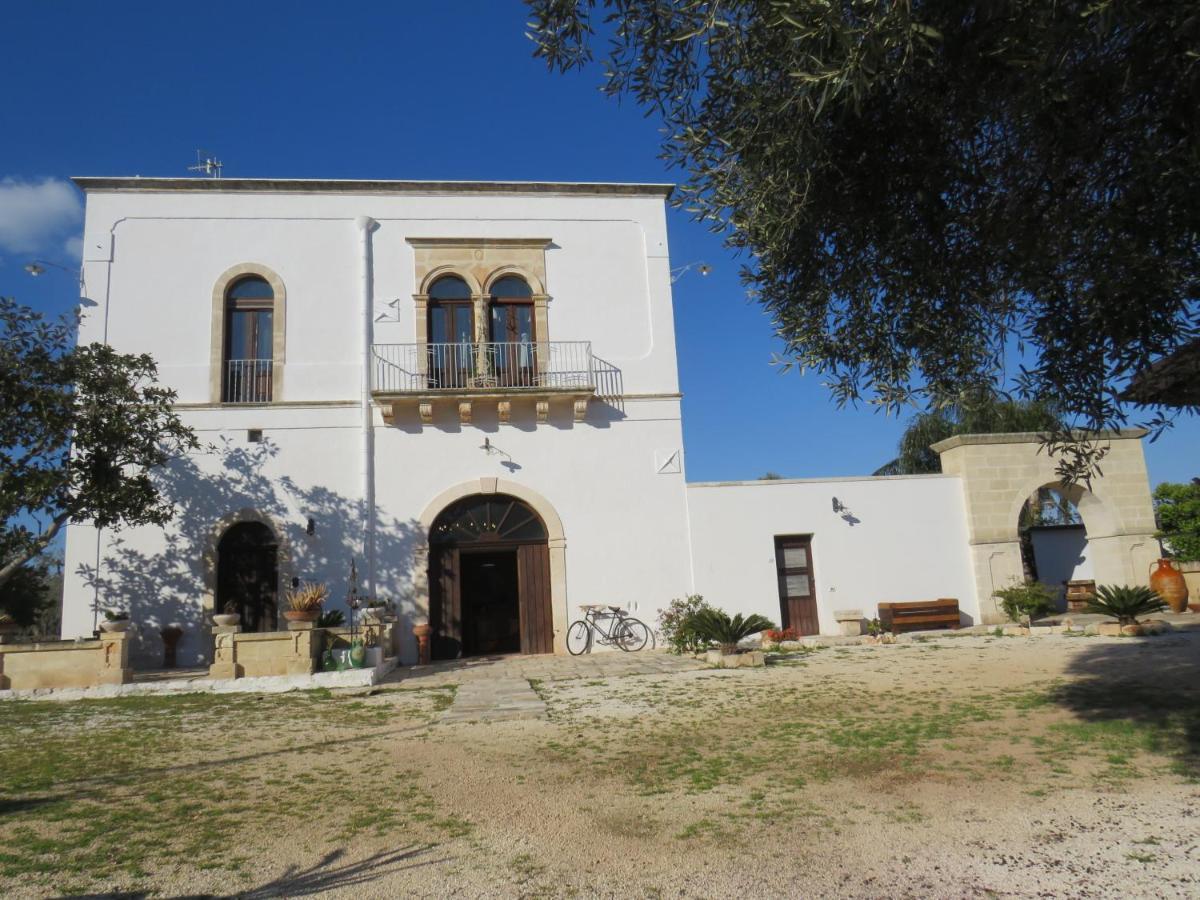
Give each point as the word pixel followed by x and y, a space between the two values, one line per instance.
pixel 332 618
pixel 674 624
pixel 716 626
pixel 1031 598
pixel 1125 603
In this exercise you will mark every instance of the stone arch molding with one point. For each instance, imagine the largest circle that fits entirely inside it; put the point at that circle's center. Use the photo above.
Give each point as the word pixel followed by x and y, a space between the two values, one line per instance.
pixel 285 557
pixel 1100 518
pixel 442 271
pixel 278 326
pixel 535 286
pixel 556 540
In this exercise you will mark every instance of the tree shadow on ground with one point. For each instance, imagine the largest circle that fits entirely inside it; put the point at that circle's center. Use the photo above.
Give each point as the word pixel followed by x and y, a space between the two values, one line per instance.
pixel 163 576
pixel 328 874
pixel 1152 683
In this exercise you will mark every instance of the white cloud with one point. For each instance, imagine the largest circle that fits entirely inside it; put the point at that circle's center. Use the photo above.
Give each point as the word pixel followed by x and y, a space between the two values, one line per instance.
pixel 36 214
pixel 73 247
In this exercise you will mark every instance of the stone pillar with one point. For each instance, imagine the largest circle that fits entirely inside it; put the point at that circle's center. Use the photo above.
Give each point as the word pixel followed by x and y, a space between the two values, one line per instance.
pixel 560 611
pixel 306 648
pixel 224 664
pixel 5 683
pixel 114 666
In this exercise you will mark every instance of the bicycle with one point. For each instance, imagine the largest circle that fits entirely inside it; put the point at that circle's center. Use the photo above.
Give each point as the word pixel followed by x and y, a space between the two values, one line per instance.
pixel 608 625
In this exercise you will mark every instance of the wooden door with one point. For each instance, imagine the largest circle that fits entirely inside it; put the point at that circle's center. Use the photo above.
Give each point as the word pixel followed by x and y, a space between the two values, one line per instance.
pixel 248 575
pixel 533 573
pixel 445 603
pixel 797 591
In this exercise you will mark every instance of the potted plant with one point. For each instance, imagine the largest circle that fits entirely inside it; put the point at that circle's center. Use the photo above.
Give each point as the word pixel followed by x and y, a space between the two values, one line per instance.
pixel 304 603
pixel 878 633
pixel 227 616
pixel 1126 603
pixel 115 620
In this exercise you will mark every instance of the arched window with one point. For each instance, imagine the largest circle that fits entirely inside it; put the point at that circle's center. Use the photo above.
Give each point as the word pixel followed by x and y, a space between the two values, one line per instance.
pixel 451 333
pixel 512 331
pixel 487 518
pixel 249 337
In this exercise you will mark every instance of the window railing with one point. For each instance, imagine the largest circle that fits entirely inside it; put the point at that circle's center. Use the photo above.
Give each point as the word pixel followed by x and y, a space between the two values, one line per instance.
pixel 247 381
pixel 504 366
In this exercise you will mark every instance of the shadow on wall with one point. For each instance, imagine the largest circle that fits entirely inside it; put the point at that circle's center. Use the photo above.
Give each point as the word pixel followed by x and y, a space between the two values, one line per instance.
pixel 170 583
pixel 1139 693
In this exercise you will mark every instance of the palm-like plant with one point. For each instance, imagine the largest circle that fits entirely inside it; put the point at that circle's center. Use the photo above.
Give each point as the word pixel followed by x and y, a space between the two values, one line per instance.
pixel 1125 602
pixel 718 627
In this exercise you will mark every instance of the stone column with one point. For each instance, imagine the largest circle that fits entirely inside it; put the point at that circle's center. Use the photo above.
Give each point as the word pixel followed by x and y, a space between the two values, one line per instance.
pixel 306 648
pixel 114 666
pixel 224 664
pixel 5 683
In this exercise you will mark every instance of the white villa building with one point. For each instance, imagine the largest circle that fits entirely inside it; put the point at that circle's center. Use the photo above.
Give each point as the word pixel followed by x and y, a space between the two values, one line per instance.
pixel 470 391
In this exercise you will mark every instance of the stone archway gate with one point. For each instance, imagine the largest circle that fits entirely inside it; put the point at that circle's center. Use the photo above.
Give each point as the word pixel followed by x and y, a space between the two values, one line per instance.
pixel 999 472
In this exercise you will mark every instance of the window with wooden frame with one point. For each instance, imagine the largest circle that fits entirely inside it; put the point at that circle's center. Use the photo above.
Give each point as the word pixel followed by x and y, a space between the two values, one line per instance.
pixel 249 341
pixel 511 322
pixel 451 333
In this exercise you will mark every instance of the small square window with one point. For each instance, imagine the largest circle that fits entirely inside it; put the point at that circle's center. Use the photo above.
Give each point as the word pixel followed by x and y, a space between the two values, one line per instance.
pixel 254 435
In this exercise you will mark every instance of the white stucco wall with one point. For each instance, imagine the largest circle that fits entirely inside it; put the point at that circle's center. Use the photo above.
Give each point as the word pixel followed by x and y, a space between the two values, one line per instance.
pixel 1062 554
pixel 906 542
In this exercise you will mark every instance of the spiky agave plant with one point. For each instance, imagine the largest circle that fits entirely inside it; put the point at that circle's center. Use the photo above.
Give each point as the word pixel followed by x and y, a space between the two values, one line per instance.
pixel 1125 602
pixel 717 626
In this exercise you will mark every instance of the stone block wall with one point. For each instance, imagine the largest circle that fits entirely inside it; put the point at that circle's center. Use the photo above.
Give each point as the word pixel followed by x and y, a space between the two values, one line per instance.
pixel 66 664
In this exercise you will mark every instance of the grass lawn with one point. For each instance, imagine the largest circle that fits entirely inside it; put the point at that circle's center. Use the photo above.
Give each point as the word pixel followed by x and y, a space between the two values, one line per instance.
pixel 964 767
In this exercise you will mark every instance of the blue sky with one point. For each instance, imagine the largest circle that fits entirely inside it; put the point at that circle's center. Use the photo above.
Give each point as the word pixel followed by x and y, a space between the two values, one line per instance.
pixel 397 90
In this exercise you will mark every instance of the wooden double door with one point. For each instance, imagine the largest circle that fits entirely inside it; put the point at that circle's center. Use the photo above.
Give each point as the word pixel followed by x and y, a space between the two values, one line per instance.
pixel 797 591
pixel 248 575
pixel 490 599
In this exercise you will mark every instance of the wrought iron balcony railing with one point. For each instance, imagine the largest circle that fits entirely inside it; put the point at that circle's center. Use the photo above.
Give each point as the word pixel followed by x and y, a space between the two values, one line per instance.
pixel 247 381
pixel 481 367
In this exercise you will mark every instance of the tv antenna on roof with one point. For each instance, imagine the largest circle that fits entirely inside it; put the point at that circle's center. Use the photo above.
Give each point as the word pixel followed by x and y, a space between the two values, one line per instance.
pixel 206 163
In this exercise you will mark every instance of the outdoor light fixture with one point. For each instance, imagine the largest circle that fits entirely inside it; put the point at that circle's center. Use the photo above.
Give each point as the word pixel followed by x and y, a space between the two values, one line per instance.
pixel 702 267
pixel 34 269
pixel 838 505
pixel 311 527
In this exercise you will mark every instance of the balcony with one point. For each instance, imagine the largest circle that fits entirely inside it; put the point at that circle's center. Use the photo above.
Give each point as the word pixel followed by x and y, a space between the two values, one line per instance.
pixel 470 373
pixel 247 381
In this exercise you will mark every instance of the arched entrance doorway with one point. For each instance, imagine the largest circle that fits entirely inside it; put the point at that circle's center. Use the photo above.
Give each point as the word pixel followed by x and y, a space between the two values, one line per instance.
pixel 1054 539
pixel 248 574
pixel 489 579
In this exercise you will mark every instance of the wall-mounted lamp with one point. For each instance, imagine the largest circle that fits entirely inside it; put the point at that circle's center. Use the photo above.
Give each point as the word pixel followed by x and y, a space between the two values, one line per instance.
pixel 311 527
pixel 702 267
pixel 838 505
pixel 295 581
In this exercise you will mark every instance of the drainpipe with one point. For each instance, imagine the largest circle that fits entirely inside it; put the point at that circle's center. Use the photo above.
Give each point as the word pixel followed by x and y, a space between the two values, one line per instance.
pixel 365 226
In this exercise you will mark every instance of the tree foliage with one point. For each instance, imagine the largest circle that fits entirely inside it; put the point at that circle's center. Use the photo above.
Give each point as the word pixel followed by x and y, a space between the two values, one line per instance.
pixel 986 416
pixel 81 431
pixel 1178 509
pixel 929 189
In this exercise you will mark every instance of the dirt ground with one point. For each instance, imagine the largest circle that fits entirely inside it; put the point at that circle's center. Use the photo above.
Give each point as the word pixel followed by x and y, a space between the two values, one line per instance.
pixel 957 767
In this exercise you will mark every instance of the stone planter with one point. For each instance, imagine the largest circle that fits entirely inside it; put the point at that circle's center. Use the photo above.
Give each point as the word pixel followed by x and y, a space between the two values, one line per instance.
pixel 850 621
pixel 301 615
pixel 226 619
pixel 114 626
pixel 747 659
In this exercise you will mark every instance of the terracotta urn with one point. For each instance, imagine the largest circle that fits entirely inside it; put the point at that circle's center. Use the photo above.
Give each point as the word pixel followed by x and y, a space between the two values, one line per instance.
pixel 1168 582
pixel 421 632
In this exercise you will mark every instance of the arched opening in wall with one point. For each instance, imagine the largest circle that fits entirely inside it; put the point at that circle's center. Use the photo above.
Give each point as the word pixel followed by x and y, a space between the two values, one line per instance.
pixel 1053 537
pixel 248 575
pixel 511 330
pixel 489 579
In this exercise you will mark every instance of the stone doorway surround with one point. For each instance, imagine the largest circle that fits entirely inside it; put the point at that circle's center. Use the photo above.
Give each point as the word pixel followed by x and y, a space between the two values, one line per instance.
pixel 556 542
pixel 999 472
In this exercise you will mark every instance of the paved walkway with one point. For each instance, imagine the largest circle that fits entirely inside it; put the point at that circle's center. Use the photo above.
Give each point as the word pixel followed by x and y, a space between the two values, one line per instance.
pixel 497 688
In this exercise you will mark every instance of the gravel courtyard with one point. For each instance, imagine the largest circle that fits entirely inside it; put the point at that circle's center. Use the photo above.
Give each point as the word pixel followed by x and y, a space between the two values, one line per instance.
pixel 956 767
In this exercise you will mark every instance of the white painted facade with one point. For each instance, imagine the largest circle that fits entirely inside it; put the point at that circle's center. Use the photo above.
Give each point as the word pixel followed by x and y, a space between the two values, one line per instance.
pixel 632 532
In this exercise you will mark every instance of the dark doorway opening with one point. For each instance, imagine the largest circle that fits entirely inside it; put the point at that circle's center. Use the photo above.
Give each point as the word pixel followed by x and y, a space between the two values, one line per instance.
pixel 797 591
pixel 489 579
pixel 491 608
pixel 248 574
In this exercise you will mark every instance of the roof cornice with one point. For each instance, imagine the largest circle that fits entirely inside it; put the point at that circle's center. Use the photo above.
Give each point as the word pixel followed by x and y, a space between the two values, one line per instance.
pixel 365 186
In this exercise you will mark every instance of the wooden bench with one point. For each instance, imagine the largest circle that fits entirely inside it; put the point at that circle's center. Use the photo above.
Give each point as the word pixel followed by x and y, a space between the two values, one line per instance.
pixel 919 615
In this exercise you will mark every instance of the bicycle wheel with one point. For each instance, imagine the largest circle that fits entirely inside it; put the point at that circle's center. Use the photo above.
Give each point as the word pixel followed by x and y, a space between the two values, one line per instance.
pixel 631 635
pixel 579 637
